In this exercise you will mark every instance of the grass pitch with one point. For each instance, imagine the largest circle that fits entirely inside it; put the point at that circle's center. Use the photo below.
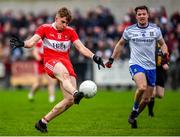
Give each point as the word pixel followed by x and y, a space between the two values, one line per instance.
pixel 104 115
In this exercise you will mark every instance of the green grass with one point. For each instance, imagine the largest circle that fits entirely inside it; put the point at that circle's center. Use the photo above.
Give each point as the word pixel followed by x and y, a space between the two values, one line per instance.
pixel 104 115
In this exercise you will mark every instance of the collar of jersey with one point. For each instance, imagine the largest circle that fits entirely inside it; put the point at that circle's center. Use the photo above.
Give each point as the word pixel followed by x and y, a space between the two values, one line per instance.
pixel 142 27
pixel 53 25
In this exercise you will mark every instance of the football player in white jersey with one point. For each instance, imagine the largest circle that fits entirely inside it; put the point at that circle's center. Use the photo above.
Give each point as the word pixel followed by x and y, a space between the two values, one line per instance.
pixel 142 38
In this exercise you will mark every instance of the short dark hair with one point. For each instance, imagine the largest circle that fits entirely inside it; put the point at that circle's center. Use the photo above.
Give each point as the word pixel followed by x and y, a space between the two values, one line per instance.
pixel 141 8
pixel 64 12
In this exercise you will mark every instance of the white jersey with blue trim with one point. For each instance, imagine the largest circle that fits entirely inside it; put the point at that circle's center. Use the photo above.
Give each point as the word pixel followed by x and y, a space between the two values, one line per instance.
pixel 142 42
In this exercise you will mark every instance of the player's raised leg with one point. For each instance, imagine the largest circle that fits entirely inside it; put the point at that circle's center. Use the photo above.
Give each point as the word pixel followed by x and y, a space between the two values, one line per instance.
pixel 68 87
pixel 63 105
pixel 63 76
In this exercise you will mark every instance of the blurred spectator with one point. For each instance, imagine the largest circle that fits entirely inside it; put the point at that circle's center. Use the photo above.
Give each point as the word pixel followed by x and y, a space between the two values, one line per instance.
pixel 126 23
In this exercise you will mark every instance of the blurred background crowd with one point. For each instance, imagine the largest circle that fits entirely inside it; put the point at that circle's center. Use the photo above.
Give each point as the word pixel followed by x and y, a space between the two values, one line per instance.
pixel 99 30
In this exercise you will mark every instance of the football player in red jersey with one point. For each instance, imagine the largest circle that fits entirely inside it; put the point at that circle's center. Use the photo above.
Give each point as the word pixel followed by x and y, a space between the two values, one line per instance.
pixel 57 38
pixel 40 72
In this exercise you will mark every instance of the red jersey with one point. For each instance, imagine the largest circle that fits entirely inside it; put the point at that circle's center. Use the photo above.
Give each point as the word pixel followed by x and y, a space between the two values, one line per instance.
pixel 56 43
pixel 56 46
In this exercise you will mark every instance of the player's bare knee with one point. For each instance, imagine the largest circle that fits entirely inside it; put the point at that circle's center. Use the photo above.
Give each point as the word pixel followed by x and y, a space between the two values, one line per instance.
pixel 65 76
pixel 142 88
pixel 62 76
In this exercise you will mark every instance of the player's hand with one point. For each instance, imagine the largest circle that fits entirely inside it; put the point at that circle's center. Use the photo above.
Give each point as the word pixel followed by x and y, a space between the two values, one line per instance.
pixel 99 61
pixel 109 63
pixel 15 42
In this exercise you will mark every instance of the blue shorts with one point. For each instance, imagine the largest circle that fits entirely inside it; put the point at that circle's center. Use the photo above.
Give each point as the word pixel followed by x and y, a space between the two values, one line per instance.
pixel 150 74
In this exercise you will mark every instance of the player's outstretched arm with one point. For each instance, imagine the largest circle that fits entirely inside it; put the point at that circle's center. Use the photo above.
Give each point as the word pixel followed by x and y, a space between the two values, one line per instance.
pixel 86 52
pixel 16 42
pixel 116 53
pixel 29 43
